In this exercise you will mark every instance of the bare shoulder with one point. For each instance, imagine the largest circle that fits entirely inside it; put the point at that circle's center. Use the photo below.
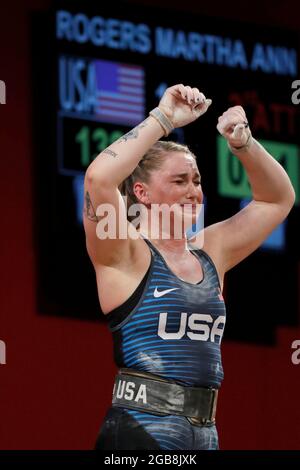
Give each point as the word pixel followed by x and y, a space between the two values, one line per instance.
pixel 116 282
pixel 129 259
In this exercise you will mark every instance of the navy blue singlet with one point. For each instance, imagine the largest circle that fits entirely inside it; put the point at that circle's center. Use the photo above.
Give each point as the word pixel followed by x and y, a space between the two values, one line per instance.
pixel 176 327
pixel 172 328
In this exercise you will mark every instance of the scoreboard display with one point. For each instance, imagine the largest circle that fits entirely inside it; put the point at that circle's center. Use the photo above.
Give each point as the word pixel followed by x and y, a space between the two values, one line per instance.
pixel 97 72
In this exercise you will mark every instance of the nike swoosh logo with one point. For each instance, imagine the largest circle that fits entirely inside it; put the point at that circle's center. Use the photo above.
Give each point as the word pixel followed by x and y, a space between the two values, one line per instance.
pixel 163 292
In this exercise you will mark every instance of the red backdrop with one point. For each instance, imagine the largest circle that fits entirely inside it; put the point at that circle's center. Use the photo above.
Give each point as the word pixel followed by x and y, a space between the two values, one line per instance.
pixel 57 381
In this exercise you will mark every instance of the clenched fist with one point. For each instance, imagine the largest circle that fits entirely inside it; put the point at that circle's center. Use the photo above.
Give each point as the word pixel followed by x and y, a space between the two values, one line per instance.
pixel 233 125
pixel 183 104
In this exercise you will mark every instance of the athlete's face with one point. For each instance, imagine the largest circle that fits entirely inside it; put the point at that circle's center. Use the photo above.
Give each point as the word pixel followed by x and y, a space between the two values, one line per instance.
pixel 177 182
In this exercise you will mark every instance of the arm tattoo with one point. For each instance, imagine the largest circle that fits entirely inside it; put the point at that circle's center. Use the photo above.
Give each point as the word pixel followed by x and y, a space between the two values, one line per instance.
pixel 89 208
pixel 133 134
pixel 110 152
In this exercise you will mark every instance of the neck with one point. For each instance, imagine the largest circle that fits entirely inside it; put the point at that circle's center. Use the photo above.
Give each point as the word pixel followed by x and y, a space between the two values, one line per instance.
pixel 169 245
pixel 164 236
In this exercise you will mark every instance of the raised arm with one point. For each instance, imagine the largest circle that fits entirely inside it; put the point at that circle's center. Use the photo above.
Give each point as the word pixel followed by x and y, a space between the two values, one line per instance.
pixel 179 106
pixel 272 191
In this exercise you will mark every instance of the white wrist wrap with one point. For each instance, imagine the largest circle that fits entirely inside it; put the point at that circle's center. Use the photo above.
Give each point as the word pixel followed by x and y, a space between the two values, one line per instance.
pixel 162 119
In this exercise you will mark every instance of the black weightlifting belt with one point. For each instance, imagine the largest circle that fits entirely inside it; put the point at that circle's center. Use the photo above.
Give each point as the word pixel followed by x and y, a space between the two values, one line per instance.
pixel 153 394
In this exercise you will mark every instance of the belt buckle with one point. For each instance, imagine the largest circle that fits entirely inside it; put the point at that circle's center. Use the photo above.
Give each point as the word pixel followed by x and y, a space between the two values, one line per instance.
pixel 213 408
pixel 212 412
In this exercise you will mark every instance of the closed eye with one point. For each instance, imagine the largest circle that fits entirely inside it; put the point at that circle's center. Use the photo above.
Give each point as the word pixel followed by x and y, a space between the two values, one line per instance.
pixel 182 181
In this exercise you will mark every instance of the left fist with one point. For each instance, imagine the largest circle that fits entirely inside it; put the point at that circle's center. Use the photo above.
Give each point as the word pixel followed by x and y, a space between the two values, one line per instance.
pixel 233 125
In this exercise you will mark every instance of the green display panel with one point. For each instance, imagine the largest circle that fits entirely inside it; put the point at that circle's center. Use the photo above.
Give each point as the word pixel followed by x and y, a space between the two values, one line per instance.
pixel 232 178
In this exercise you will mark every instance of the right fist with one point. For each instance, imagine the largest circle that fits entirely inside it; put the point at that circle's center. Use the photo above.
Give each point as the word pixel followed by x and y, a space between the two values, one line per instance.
pixel 183 104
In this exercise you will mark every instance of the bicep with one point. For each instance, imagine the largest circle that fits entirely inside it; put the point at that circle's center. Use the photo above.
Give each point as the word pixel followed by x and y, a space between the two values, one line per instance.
pixel 105 224
pixel 243 233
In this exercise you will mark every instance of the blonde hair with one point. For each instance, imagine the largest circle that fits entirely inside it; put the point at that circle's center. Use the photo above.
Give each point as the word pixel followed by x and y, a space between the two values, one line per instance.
pixel 151 161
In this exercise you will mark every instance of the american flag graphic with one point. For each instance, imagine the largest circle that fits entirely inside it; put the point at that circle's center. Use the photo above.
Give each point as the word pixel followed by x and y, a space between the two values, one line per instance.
pixel 121 92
